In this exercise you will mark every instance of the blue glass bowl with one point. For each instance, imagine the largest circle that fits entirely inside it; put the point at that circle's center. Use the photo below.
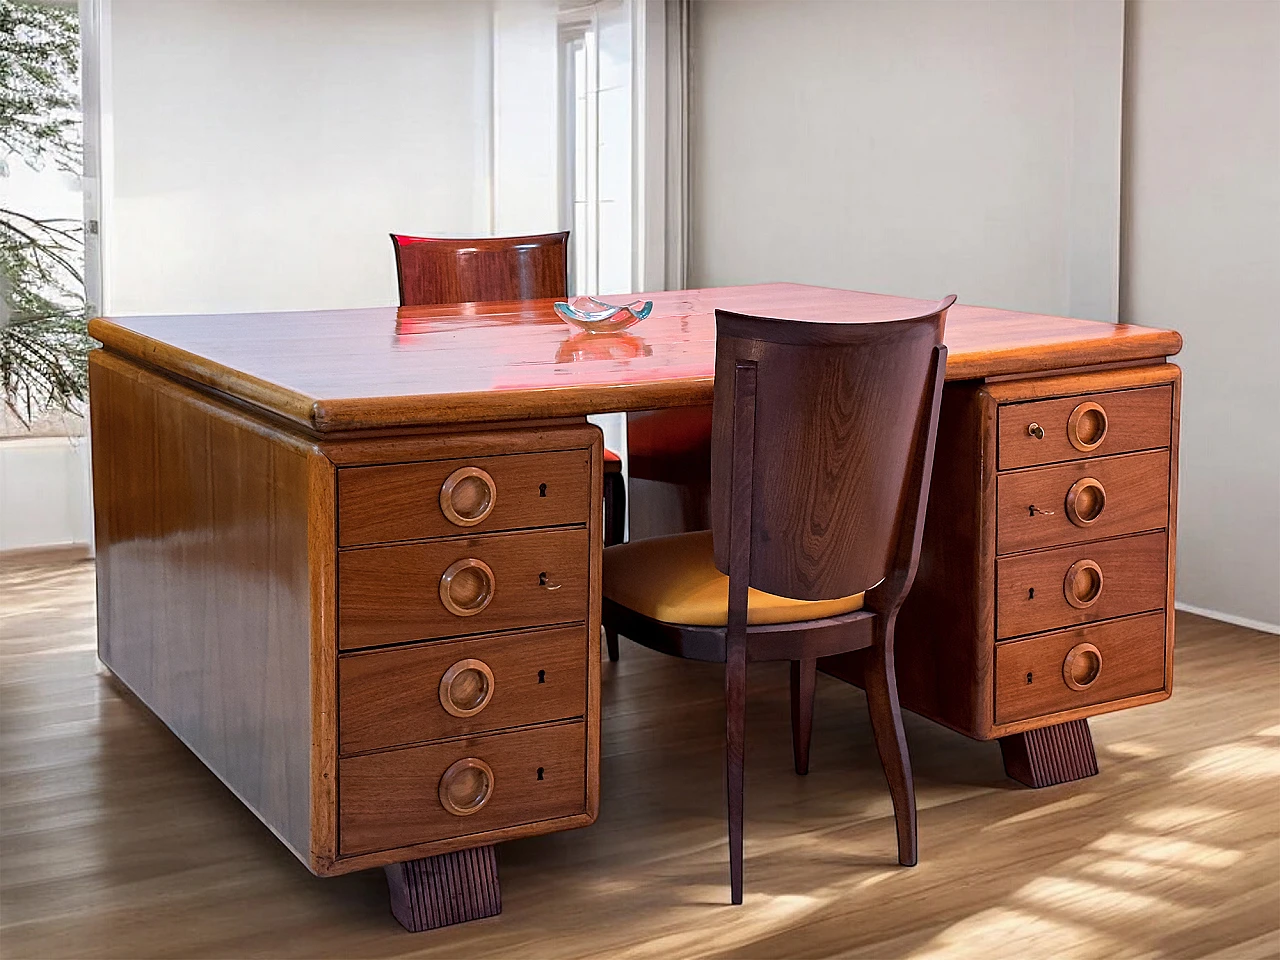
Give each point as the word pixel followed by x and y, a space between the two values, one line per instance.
pixel 610 318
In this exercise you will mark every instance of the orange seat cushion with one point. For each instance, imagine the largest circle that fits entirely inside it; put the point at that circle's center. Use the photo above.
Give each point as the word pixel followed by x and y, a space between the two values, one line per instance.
pixel 675 580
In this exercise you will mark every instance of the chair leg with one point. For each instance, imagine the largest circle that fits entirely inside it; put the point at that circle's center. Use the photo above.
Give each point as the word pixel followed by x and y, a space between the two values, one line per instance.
pixel 611 641
pixel 891 740
pixel 615 508
pixel 735 702
pixel 804 676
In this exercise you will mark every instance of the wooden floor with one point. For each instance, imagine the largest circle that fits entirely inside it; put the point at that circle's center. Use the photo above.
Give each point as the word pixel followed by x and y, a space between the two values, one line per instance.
pixel 117 843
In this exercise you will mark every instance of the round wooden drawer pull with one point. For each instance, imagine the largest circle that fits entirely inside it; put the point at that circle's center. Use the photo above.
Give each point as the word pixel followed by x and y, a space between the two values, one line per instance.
pixel 466 787
pixel 1087 426
pixel 1085 501
pixel 466 587
pixel 467 496
pixel 1082 666
pixel 1083 584
pixel 466 688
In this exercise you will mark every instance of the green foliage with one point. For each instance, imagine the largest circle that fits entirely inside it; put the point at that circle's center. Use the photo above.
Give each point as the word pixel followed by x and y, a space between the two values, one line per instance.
pixel 43 344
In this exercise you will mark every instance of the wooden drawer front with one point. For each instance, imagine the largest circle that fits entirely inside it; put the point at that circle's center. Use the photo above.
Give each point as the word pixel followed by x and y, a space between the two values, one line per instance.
pixel 1080 584
pixel 1073 428
pixel 392 697
pixel 403 501
pixel 394 799
pixel 1031 675
pixel 1035 507
pixel 393 594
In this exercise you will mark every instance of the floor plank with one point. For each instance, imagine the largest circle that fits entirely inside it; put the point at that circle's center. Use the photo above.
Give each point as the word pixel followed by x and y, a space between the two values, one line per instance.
pixel 116 842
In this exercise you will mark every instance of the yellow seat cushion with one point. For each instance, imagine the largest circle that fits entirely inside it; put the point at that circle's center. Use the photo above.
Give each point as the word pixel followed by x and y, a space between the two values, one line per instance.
pixel 675 580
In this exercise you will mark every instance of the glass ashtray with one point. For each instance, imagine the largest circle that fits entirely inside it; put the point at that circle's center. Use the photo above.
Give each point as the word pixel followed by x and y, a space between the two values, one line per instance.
pixel 609 318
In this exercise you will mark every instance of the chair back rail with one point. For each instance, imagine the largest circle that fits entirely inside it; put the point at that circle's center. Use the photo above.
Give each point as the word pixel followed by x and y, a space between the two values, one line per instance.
pixel 833 422
pixel 432 270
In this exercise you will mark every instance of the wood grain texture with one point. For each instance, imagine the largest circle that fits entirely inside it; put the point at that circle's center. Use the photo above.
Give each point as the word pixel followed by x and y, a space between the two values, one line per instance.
pixel 1050 755
pixel 205 590
pixel 946 628
pixel 464 363
pixel 402 501
pixel 440 891
pixel 832 400
pixel 1031 590
pixel 1029 673
pixel 1137 498
pixel 389 800
pixel 432 270
pixel 1135 420
pixel 391 594
pixel 117 843
pixel 392 697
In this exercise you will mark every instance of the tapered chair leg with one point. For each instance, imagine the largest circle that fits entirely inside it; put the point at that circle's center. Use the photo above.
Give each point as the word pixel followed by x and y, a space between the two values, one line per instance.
pixel 611 641
pixel 891 738
pixel 735 702
pixel 804 677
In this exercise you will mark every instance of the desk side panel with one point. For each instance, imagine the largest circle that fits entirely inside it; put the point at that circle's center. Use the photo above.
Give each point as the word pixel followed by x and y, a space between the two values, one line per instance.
pixel 204 586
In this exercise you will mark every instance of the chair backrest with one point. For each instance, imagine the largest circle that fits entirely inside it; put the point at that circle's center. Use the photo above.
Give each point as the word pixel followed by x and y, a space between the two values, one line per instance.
pixel 434 271
pixel 822 443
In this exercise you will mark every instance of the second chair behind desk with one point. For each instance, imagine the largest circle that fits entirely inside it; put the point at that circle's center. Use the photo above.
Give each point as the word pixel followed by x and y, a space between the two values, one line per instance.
pixel 822 449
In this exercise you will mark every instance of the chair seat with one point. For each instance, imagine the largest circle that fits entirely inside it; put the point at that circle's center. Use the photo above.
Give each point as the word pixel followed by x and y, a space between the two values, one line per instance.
pixel 612 462
pixel 675 580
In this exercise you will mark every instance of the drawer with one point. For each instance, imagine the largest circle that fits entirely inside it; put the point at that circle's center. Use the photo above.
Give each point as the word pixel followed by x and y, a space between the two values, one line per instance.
pixel 1085 500
pixel 1072 428
pixel 387 698
pixel 1079 667
pixel 462 787
pixel 443 498
pixel 498 582
pixel 1080 584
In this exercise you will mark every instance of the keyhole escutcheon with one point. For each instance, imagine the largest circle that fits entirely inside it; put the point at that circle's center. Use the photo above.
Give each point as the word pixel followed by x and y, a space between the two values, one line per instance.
pixel 542 489
pixel 1029 675
pixel 542 676
pixel 540 773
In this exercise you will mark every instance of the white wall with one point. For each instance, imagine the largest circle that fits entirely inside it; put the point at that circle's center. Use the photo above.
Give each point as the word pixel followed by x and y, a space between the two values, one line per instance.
pixel 45 493
pixel 917 148
pixel 261 152
pixel 1201 253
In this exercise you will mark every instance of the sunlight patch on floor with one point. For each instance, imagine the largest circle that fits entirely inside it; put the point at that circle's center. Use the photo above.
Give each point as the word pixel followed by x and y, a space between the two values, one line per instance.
pixel 1236 761
pixel 1047 810
pixel 1008 932
pixel 1167 850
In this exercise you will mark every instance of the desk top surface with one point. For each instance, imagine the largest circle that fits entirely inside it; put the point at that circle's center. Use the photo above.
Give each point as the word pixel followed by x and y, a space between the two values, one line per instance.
pixel 337 370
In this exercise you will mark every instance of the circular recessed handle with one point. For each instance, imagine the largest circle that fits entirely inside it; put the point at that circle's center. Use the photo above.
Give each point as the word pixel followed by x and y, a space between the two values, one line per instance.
pixel 466 587
pixel 466 688
pixel 1082 666
pixel 467 496
pixel 1087 426
pixel 466 786
pixel 1085 501
pixel 1083 584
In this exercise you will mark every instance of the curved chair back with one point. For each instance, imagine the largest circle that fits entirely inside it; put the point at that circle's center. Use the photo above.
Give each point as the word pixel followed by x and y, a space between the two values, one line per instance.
pixel 822 438
pixel 432 271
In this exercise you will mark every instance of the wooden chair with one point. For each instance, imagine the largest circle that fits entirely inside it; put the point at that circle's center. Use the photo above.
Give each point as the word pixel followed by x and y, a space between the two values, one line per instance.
pixel 822 447
pixel 432 271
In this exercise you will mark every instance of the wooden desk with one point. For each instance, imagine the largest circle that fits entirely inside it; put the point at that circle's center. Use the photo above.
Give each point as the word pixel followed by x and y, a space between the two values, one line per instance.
pixel 351 558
